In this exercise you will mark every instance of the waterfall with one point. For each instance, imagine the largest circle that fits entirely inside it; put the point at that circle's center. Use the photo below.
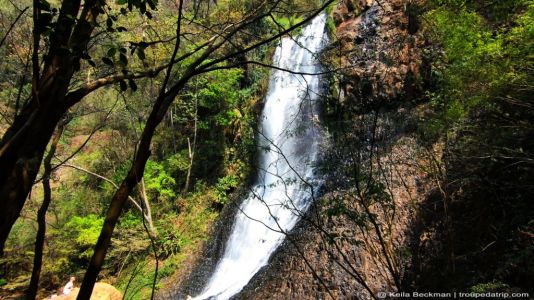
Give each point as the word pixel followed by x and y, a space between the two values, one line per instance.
pixel 289 138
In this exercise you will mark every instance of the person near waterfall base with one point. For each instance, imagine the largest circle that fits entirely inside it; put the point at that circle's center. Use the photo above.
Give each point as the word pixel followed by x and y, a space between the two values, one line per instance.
pixel 69 286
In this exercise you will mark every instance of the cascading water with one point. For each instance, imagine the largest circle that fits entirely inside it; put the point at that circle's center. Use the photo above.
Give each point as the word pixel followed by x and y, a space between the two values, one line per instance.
pixel 289 138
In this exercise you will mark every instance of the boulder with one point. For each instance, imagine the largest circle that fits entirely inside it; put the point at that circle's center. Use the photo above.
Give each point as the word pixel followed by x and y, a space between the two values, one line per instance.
pixel 101 291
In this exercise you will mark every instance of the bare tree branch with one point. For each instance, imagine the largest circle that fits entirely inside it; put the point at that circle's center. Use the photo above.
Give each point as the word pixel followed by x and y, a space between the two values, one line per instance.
pixel 13 25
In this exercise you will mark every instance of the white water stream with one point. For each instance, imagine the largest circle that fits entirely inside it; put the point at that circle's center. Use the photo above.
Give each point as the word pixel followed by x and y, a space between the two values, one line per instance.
pixel 289 137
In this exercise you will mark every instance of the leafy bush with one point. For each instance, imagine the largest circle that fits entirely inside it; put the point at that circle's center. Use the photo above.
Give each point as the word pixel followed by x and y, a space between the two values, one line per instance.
pixel 477 61
pixel 84 231
pixel 159 183
pixel 224 186
pixel 481 111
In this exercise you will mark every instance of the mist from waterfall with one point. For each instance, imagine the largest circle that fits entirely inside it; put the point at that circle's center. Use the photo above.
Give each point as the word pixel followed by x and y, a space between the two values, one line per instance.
pixel 289 143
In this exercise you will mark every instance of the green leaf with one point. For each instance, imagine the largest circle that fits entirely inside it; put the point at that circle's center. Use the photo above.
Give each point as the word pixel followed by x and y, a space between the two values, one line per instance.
pixel 107 61
pixel 132 85
pixel 111 52
pixel 109 22
pixel 141 53
pixel 152 3
pixel 43 5
pixel 123 59
pixel 123 85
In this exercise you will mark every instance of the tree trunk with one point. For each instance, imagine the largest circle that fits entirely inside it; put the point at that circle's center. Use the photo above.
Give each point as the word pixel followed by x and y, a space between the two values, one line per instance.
pixel 191 150
pixel 135 174
pixel 22 146
pixel 20 159
pixel 31 293
pixel 148 214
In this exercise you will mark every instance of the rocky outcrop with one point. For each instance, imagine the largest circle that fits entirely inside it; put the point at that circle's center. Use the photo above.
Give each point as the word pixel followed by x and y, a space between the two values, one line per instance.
pixel 352 265
pixel 378 50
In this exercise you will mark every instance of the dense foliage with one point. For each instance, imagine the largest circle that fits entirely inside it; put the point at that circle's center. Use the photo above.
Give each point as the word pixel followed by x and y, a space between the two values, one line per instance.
pixel 482 111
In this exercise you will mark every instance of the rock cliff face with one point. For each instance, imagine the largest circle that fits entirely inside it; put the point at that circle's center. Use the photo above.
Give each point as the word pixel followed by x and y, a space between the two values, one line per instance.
pixel 310 266
pixel 343 255
pixel 379 49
